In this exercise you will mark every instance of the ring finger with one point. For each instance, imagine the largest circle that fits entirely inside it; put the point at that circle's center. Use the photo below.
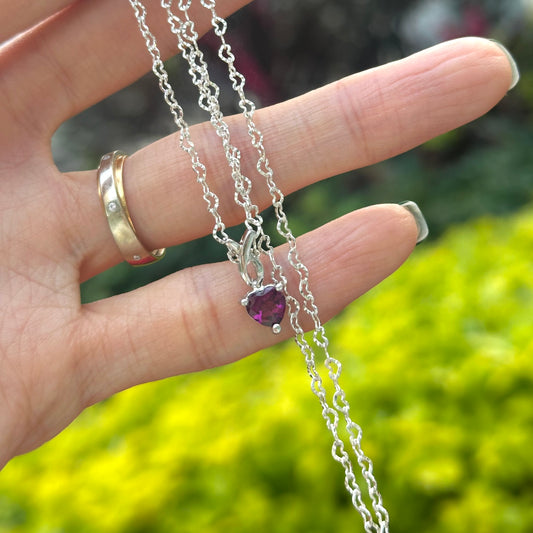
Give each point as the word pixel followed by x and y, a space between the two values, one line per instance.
pixel 348 124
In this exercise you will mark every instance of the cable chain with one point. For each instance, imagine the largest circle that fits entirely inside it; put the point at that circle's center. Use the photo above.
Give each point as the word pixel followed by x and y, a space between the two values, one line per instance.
pixel 319 337
pixel 208 101
pixel 184 29
pixel 176 110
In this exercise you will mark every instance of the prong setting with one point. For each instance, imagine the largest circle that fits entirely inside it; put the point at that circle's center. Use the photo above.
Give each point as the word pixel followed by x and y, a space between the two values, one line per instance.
pixel 266 305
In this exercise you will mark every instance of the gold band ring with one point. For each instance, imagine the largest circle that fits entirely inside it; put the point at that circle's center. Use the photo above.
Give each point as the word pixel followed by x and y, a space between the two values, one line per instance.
pixel 111 191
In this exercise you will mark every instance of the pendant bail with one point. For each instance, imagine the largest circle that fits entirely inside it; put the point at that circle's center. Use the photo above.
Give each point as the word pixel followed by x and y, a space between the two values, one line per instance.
pixel 249 257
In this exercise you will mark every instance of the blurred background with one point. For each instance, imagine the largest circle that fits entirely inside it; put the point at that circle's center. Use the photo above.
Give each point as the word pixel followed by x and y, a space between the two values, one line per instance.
pixel 438 359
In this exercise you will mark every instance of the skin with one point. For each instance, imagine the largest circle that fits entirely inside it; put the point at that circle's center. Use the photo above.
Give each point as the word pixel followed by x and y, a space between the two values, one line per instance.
pixel 57 356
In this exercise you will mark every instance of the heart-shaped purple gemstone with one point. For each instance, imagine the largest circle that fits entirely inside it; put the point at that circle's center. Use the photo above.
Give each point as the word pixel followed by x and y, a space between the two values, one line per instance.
pixel 266 305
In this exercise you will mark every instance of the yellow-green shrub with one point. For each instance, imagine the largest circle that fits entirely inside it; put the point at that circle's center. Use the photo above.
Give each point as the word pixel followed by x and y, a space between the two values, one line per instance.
pixel 438 365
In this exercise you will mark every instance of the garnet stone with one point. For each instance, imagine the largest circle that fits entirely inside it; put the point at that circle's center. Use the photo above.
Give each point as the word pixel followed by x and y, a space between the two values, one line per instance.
pixel 266 305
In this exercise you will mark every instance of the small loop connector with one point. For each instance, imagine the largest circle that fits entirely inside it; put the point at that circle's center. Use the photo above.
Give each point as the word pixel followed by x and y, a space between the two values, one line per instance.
pixel 234 251
pixel 249 256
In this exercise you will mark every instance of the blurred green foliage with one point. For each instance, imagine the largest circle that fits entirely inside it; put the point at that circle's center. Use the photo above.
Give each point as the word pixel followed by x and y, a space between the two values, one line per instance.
pixel 438 365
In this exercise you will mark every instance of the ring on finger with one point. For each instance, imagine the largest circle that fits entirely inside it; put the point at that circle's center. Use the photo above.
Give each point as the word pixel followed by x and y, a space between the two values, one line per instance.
pixel 111 191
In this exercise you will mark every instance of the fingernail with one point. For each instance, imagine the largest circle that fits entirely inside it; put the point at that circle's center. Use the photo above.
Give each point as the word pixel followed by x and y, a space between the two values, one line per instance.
pixel 514 67
pixel 421 224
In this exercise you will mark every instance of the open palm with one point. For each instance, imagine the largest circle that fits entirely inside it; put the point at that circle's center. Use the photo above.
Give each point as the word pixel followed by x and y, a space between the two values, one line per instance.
pixel 58 356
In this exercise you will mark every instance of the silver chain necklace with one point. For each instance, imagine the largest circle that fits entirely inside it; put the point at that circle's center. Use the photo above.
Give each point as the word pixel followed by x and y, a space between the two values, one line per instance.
pixel 265 303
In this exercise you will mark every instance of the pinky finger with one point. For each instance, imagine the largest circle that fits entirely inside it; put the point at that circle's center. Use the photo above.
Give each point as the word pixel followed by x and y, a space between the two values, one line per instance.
pixel 193 319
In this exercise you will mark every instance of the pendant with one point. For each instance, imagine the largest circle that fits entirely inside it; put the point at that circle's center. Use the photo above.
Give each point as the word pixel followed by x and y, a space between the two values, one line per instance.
pixel 266 305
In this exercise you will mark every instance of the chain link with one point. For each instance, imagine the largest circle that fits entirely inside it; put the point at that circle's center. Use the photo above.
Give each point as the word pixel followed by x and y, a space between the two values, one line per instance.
pixel 183 27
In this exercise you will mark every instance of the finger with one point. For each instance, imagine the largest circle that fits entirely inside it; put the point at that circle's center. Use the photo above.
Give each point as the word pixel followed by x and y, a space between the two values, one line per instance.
pixel 23 14
pixel 193 319
pixel 81 56
pixel 349 124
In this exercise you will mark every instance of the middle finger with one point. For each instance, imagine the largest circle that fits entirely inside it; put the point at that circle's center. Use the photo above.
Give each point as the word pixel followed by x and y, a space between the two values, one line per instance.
pixel 82 55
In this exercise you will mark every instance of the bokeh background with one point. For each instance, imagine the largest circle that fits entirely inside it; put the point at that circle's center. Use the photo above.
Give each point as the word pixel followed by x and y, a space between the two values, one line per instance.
pixel 438 359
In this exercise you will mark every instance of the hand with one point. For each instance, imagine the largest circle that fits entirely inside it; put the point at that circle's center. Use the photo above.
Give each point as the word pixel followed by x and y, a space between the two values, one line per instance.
pixel 58 356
